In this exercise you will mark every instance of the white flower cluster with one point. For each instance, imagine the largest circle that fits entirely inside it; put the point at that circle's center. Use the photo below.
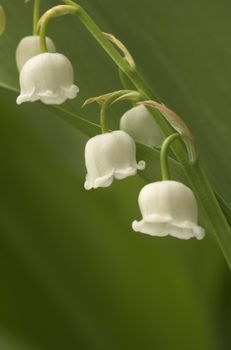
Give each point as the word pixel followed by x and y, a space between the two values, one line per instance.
pixel 167 207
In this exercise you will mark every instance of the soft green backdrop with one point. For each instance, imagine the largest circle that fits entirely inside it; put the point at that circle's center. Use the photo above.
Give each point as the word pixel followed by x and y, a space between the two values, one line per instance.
pixel 73 273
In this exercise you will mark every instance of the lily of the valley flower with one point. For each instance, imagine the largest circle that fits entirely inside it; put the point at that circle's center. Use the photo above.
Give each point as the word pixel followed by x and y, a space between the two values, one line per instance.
pixel 108 156
pixel 47 77
pixel 139 123
pixel 168 208
pixel 29 47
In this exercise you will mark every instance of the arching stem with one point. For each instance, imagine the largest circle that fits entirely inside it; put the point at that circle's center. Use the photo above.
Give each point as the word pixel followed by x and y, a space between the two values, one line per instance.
pixel 106 104
pixel 36 15
pixel 44 20
pixel 164 156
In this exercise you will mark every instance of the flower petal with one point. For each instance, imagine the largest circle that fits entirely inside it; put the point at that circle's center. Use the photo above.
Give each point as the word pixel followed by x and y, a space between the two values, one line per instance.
pixel 186 230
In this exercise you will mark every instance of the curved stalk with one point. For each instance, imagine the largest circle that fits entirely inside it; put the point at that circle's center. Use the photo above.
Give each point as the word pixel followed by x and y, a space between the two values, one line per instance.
pixel 164 155
pixel 106 104
pixel 55 11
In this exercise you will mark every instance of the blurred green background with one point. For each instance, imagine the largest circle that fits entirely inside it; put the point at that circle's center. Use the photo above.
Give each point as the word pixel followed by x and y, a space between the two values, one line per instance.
pixel 73 273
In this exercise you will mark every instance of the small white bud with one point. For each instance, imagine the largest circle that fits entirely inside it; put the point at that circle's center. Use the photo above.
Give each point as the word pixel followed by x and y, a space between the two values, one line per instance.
pixel 47 77
pixel 168 208
pixel 29 47
pixel 108 156
pixel 139 123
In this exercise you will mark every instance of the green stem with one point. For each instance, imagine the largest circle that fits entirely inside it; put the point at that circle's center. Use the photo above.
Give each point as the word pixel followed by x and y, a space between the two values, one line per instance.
pixel 45 19
pixel 43 44
pixel 119 60
pixel 164 155
pixel 36 15
pixel 103 116
pixel 106 104
pixel 217 224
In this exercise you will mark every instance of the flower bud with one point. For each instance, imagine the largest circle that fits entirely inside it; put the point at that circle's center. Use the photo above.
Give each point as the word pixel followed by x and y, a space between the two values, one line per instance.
pixel 29 47
pixel 108 156
pixel 47 77
pixel 168 208
pixel 139 123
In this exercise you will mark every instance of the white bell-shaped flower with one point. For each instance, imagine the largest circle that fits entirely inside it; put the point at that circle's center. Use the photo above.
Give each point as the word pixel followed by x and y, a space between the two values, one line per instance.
pixel 108 156
pixel 168 208
pixel 29 47
pixel 139 123
pixel 47 77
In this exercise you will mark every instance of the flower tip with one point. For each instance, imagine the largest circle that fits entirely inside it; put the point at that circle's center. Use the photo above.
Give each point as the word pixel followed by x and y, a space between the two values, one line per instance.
pixel 199 233
pixel 73 91
pixel 87 186
pixel 25 98
pixel 19 100
pixel 141 165
pixel 135 226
